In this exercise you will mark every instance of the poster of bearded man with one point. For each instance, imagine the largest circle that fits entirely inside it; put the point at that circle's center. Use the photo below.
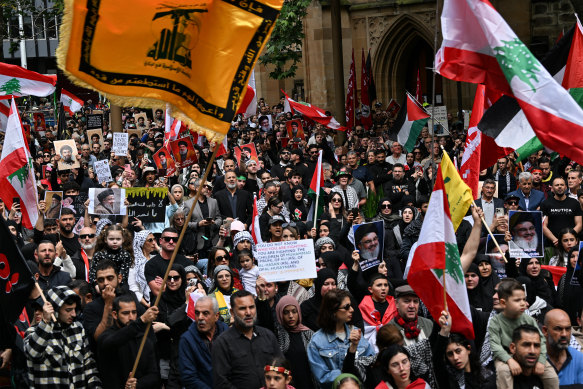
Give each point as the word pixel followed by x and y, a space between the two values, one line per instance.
pixel 526 229
pixel 369 241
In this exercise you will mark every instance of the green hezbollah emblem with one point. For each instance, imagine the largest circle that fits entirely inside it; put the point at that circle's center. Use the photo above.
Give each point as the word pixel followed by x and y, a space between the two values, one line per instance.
pixel 176 43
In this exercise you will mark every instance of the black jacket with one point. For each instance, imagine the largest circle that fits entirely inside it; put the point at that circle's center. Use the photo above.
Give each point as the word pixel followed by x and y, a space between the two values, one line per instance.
pixel 244 205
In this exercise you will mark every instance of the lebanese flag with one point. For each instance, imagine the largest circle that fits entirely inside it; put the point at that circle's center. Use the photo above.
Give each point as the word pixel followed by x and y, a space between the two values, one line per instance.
pixel 365 117
pixel 17 178
pixel 478 46
pixel 255 231
pixel 573 78
pixel 314 113
pixel 349 107
pixel 223 147
pixel 410 121
pixel 470 166
pixel 71 103
pixel 4 112
pixel 18 81
pixel 437 250
pixel 249 104
pixel 197 139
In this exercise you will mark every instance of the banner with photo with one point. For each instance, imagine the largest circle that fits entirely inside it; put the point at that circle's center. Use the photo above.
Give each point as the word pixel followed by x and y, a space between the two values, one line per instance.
pixel 369 240
pixel 526 228
pixel 108 201
pixel 67 150
pixel 53 200
pixel 183 152
pixel 246 152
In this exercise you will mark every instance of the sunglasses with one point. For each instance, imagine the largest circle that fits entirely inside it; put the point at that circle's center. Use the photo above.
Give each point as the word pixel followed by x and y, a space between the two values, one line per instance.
pixel 386 206
pixel 285 152
pixel 168 239
pixel 85 236
pixel 514 202
pixel 150 240
pixel 336 200
pixel 173 278
pixel 345 307
pixel 191 183
pixel 46 155
pixel 220 258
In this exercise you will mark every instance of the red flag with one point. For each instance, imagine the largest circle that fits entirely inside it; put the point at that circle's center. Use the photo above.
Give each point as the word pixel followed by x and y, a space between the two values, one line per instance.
pixel 470 166
pixel 350 94
pixel 418 95
pixel 365 118
pixel 249 104
pixel 314 113
pixel 223 147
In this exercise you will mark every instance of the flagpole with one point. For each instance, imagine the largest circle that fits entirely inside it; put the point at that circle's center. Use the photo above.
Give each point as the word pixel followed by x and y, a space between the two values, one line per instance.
pixel 445 291
pixel 42 295
pixel 433 90
pixel 174 253
pixel 490 233
pixel 319 171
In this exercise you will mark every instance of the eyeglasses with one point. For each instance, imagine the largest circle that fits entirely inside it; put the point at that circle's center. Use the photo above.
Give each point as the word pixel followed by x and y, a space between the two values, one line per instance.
pixel 278 206
pixel 221 258
pixel 191 183
pixel 386 206
pixel 345 307
pixel 85 236
pixel 168 239
pixel 173 278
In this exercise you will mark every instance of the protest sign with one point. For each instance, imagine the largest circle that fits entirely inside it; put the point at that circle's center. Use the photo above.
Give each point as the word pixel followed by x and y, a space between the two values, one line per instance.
pixel 53 202
pixel 246 152
pixel 39 121
pixel 527 234
pixel 164 162
pixel 76 203
pixel 441 123
pixel 183 152
pixel 94 121
pixel 67 150
pixel 369 240
pixel 295 129
pixel 120 144
pixel 102 171
pixel 147 204
pixel 285 261
pixel 95 136
pixel 107 201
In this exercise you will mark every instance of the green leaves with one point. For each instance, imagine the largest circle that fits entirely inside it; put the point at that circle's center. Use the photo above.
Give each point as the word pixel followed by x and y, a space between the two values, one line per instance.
pixel 284 49
pixel 516 60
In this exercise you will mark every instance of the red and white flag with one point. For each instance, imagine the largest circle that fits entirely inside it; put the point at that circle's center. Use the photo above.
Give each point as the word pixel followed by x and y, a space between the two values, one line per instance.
pixel 4 112
pixel 314 113
pixel 18 81
pixel 223 147
pixel 71 103
pixel 365 114
pixel 479 47
pixel 470 166
pixel 17 178
pixel 255 231
pixel 436 252
pixel 249 104
pixel 350 94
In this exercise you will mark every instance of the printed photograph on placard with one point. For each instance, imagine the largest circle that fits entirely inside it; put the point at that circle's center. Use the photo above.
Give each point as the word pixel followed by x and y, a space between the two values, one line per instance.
pixel 53 201
pixel 108 201
pixel 369 241
pixel 134 134
pixel 95 136
pixel 141 120
pixel 496 259
pixel 164 162
pixel 526 229
pixel 39 121
pixel 183 152
pixel 295 129
pixel 246 152
pixel 265 124
pixel 67 150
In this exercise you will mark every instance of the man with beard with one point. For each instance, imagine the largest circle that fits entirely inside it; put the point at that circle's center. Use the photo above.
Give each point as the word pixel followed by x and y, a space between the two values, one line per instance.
pixel 399 186
pixel 525 349
pixel 251 184
pixel 230 165
pixel 232 365
pixel 524 234
pixel 50 275
pixel 67 236
pixel 264 124
pixel 561 212
pixel 235 203
pixel 567 361
pixel 66 155
pixel 105 203
pixel 118 347
pixel 367 241
pixel 196 344
pixel 82 261
pixel 55 208
pixel 57 353
pixel 380 170
pixel 284 160
pixel 182 151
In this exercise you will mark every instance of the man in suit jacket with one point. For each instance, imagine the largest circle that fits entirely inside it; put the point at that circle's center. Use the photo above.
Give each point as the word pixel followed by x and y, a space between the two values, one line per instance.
pixel 530 199
pixel 205 209
pixel 235 203
pixel 488 202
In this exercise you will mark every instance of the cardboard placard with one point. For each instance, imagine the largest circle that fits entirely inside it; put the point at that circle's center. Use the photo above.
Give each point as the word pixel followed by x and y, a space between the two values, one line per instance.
pixel 53 200
pixel 120 144
pixel 67 149
pixel 94 121
pixel 147 204
pixel 285 261
pixel 76 204
pixel 95 136
pixel 102 171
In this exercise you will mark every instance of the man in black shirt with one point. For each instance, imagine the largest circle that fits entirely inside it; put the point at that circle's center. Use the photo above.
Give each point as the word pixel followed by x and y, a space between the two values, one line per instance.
pixel 525 349
pixel 156 267
pixel 561 212
pixel 240 354
pixel 67 236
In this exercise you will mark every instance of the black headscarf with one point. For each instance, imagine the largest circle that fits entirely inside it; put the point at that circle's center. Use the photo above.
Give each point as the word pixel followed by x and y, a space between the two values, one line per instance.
pixel 487 283
pixel 535 286
pixel 477 296
pixel 175 298
pixel 297 209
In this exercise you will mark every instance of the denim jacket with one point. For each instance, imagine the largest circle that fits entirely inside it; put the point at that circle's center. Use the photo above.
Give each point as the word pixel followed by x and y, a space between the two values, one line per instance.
pixel 326 354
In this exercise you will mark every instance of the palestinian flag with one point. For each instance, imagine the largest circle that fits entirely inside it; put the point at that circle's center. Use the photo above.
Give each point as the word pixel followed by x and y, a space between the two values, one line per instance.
pixel 479 46
pixel 315 190
pixel 314 113
pixel 410 121
pixel 505 123
pixel 573 78
pixel 435 253
pixel 71 103
pixel 17 179
pixel 18 81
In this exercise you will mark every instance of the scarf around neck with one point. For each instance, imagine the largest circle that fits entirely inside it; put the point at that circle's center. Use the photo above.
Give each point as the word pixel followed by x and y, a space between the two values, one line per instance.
pixel 410 327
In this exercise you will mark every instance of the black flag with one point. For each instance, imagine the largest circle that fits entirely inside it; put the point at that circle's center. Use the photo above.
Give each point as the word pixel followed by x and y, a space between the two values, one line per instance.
pixel 62 124
pixel 16 280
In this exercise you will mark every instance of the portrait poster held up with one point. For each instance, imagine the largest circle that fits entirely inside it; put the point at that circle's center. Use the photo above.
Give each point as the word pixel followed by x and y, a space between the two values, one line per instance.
pixel 526 228
pixel 183 152
pixel 295 129
pixel 67 150
pixel 53 201
pixel 369 241
pixel 286 260
pixel 95 136
pixel 164 162
pixel 108 201
pixel 39 121
pixel 246 152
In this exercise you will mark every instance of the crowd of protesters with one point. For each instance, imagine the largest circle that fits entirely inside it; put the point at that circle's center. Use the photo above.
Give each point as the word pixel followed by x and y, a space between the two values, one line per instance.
pixel 347 328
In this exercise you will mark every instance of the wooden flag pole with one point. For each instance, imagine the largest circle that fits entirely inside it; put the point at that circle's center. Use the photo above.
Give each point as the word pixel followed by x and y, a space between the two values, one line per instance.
pixel 445 291
pixel 42 295
pixel 490 233
pixel 149 325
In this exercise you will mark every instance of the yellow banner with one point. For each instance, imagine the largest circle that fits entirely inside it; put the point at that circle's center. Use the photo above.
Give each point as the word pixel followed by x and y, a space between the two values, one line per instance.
pixel 195 55
pixel 459 195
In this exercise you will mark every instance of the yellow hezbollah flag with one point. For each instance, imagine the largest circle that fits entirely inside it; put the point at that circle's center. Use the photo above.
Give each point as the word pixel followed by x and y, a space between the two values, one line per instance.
pixel 195 55
pixel 459 195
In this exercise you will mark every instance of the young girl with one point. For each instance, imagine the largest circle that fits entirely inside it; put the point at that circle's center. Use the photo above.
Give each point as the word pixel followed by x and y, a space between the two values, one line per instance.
pixel 249 271
pixel 110 246
pixel 278 374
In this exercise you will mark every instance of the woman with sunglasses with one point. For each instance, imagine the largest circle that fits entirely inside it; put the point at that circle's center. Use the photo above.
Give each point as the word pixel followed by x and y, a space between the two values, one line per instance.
pixel 335 341
pixel 274 207
pixel 220 256
pixel 339 219
pixel 222 290
pixel 144 245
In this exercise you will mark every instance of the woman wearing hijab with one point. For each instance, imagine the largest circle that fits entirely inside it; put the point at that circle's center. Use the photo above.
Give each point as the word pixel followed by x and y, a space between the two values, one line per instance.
pixel 298 211
pixel 476 294
pixel 569 289
pixel 408 214
pixel 144 244
pixel 293 338
pixel 325 281
pixel 488 277
pixel 223 282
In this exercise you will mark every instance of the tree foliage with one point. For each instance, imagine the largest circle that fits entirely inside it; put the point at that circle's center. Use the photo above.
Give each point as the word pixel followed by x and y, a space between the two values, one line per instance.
pixel 284 49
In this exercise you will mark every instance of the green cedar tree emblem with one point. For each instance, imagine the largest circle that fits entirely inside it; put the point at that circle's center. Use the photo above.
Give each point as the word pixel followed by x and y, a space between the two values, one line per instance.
pixel 453 266
pixel 516 60
pixel 11 87
pixel 22 173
